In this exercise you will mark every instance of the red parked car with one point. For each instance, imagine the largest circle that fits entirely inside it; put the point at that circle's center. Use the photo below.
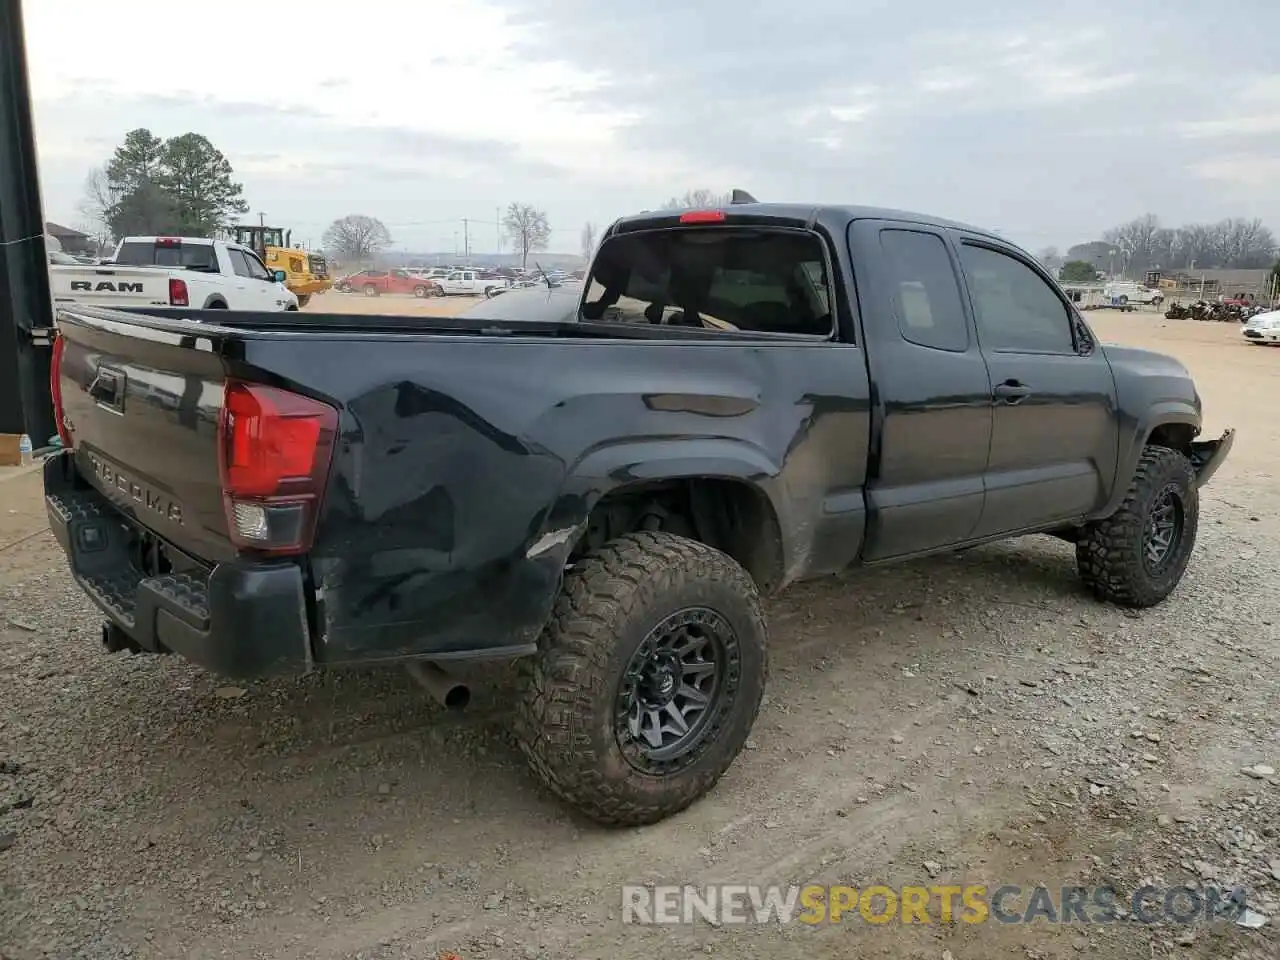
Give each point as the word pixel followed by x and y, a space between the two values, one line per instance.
pixel 374 283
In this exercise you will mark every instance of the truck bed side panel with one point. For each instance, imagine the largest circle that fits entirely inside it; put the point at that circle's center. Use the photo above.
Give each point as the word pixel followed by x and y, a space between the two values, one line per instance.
pixel 466 467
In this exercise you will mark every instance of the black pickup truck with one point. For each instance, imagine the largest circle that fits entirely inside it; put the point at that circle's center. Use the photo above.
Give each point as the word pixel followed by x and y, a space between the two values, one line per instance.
pixel 745 397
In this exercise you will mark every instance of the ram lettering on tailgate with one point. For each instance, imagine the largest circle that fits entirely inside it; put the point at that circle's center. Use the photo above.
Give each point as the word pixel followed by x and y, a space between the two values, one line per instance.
pixel 85 286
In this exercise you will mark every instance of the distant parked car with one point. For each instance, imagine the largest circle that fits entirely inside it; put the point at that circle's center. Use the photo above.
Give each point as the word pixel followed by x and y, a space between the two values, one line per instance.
pixel 374 283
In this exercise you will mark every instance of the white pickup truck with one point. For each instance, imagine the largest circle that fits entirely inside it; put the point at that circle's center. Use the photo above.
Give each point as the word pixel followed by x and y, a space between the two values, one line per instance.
pixel 178 272
pixel 1127 291
pixel 469 282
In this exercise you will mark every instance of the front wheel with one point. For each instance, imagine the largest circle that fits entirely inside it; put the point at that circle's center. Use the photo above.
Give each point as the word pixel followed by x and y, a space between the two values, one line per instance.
pixel 304 300
pixel 1136 556
pixel 420 292
pixel 647 680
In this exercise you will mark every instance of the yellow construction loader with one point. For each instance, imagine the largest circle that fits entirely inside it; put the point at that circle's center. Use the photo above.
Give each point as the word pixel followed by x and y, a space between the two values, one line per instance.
pixel 308 273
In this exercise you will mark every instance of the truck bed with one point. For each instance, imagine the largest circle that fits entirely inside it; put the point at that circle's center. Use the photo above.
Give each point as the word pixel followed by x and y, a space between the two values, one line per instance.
pixel 257 324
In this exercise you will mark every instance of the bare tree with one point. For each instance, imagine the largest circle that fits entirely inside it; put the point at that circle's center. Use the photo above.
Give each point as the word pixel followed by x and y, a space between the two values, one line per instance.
pixel 97 204
pixel 589 234
pixel 1136 241
pixel 698 197
pixel 1142 244
pixel 528 229
pixel 356 238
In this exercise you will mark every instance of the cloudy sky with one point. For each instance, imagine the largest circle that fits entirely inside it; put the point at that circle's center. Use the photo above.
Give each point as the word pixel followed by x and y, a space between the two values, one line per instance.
pixel 1045 121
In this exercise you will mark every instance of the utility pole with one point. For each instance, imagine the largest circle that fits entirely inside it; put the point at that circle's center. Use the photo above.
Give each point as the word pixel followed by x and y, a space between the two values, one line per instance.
pixel 262 219
pixel 466 239
pixel 26 306
pixel 497 226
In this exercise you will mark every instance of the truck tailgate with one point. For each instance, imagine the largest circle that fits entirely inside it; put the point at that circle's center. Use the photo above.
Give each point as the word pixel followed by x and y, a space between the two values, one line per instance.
pixel 142 406
pixel 110 286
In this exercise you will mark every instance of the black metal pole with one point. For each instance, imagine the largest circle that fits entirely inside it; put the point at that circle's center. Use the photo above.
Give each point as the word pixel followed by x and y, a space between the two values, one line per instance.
pixel 26 307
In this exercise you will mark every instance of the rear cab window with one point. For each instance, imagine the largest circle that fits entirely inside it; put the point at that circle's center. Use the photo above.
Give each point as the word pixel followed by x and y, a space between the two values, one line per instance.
pixel 187 256
pixel 714 278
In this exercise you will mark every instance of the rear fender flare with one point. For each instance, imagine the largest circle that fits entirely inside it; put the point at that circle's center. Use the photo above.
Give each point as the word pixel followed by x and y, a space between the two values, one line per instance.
pixel 611 467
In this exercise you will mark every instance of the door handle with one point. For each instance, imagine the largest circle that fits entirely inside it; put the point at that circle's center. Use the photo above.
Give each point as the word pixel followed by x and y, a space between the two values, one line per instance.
pixel 1012 391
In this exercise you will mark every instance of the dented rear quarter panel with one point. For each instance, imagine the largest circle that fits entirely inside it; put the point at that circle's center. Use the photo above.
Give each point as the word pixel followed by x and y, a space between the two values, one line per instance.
pixel 467 466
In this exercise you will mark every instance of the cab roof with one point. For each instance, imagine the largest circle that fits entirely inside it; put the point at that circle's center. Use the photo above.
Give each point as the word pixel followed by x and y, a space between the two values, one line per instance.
pixel 796 214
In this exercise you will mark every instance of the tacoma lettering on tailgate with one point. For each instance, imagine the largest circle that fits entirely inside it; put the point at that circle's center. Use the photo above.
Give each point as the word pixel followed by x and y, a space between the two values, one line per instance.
pixel 158 503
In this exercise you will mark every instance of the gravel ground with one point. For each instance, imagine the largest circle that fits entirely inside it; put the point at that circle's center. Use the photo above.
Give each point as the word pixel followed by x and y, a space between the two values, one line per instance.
pixel 968 718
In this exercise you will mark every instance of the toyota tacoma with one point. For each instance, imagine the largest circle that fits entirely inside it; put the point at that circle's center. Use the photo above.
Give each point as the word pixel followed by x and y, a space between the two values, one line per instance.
pixel 746 397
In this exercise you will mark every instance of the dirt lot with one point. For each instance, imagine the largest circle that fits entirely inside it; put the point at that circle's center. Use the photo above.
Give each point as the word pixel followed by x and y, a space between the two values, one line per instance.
pixel 970 718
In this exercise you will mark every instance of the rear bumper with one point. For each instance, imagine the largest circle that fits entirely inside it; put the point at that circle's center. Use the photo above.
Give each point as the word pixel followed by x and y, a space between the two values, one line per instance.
pixel 237 619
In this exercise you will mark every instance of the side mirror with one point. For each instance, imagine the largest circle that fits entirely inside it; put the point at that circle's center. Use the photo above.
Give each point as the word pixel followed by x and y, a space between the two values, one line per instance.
pixel 279 276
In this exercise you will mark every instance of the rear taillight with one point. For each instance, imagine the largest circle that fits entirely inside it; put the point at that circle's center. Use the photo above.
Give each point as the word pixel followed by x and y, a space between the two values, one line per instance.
pixel 274 450
pixel 178 293
pixel 55 390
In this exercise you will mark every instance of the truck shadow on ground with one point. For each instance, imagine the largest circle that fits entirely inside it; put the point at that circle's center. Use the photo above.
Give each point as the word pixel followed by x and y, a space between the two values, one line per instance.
pixel 331 734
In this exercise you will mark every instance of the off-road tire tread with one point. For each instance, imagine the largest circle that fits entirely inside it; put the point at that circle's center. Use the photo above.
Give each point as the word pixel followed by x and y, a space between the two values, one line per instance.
pixel 559 686
pixel 1108 553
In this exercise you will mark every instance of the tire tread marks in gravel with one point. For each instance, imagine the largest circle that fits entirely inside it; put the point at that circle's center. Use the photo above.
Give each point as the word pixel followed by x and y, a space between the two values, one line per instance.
pixel 1109 553
pixel 565 710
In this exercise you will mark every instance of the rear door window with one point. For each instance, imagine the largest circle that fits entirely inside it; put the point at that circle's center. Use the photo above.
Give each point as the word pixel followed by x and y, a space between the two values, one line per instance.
pixel 744 279
pixel 198 256
pixel 925 290
pixel 239 264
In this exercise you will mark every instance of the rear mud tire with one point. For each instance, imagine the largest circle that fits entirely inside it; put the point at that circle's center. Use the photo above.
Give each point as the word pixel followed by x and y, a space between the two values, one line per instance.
pixel 304 300
pixel 1113 555
pixel 570 722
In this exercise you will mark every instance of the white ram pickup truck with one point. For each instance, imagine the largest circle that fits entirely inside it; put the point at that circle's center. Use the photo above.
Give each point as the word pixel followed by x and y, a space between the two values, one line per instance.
pixel 177 272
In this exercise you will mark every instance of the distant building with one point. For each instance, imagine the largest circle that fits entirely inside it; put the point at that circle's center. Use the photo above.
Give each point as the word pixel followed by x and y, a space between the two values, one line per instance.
pixel 1223 282
pixel 73 241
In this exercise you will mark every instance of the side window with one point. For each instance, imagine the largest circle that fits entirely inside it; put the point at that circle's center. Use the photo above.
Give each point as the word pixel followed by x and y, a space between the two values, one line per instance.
pixel 239 264
pixel 257 269
pixel 926 293
pixel 1017 311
